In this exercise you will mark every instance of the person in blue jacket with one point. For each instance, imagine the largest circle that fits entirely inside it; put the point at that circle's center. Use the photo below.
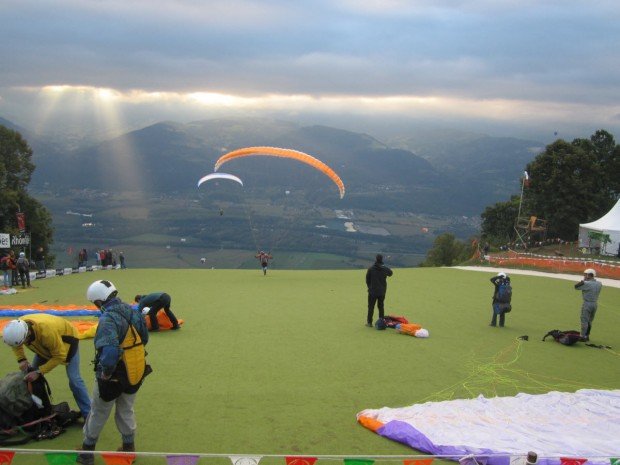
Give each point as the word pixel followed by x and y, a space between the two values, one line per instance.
pixel 113 385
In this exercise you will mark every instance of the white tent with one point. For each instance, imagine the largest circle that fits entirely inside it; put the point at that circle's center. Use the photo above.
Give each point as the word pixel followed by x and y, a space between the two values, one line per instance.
pixel 609 225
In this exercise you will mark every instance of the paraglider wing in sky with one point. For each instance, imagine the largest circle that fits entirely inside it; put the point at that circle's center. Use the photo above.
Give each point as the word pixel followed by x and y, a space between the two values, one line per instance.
pixel 219 176
pixel 283 153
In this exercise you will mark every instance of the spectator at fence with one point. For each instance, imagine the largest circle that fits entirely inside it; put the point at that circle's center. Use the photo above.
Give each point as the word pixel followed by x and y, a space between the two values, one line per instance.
pixel 12 262
pixel 39 259
pixel 23 268
pixel 6 271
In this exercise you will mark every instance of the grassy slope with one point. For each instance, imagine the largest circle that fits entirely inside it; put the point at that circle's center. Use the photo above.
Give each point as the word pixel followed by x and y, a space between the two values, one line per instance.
pixel 281 364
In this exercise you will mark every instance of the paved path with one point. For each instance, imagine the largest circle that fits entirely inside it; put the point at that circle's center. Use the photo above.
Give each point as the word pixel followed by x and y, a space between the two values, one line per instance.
pixel 570 277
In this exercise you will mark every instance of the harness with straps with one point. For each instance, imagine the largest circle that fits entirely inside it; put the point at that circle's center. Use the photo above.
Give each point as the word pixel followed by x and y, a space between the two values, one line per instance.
pixel 134 355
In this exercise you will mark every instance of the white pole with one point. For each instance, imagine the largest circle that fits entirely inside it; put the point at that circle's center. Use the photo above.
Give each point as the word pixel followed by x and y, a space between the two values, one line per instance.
pixel 521 199
pixel 519 213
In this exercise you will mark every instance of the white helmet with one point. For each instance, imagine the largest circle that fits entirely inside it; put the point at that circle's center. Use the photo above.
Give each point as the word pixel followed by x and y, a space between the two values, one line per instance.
pixel 501 274
pixel 590 271
pixel 15 333
pixel 100 290
pixel 22 254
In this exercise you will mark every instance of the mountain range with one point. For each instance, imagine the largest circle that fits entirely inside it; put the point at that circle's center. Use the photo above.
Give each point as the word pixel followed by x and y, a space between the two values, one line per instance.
pixel 140 188
pixel 441 172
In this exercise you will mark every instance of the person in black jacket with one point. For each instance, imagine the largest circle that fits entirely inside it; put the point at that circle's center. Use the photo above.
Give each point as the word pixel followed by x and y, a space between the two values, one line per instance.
pixel 499 307
pixel 377 286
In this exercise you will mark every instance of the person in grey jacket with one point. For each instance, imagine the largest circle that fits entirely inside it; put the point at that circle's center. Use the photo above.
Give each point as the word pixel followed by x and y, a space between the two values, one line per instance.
pixel 376 282
pixel 590 289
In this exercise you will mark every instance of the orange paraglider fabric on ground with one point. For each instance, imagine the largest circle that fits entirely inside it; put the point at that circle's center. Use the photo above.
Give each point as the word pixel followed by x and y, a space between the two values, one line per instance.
pixel 283 153
pixel 409 328
pixel 163 320
pixel 86 329
pixel 48 307
pixel 370 423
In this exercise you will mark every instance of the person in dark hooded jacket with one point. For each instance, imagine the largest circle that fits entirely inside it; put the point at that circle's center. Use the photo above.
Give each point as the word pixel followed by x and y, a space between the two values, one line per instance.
pixel 376 282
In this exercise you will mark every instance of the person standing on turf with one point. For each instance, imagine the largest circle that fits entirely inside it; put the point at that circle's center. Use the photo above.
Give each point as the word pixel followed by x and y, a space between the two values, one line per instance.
pixel 501 299
pixel 376 282
pixel 590 289
pixel 120 367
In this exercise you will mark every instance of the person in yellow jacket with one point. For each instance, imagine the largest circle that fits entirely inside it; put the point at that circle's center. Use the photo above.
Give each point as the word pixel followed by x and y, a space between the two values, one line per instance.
pixel 54 342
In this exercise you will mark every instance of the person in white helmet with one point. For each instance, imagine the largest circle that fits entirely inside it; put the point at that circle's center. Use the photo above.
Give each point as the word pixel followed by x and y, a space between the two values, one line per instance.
pixel 116 381
pixel 590 290
pixel 54 341
pixel 23 269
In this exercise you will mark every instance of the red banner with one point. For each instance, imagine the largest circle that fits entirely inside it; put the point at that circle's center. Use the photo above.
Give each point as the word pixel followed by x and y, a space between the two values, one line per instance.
pixel 21 222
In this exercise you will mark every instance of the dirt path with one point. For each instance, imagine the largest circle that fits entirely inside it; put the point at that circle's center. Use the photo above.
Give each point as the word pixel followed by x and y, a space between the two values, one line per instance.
pixel 569 277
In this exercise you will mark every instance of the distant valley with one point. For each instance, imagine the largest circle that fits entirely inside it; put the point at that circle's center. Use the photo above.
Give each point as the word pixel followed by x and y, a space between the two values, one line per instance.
pixel 140 189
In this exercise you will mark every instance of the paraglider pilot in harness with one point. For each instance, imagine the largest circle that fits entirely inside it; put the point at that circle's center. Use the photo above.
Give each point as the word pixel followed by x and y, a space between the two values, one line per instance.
pixel 120 367
pixel 264 258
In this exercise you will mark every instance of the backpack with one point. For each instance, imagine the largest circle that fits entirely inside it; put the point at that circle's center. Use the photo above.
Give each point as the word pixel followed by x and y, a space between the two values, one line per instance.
pixel 130 370
pixel 568 338
pixel 4 263
pixel 134 356
pixel 22 264
pixel 504 293
pixel 26 411
pixel 392 321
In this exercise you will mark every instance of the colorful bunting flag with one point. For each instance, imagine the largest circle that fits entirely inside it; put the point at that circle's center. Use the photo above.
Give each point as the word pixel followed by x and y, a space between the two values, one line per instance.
pixel 572 461
pixel 118 459
pixel 245 460
pixel 418 462
pixel 61 458
pixel 6 457
pixel 182 459
pixel 358 462
pixel 300 460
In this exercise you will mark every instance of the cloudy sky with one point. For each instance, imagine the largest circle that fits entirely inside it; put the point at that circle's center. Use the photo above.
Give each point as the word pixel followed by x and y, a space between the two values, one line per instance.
pixel 507 67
